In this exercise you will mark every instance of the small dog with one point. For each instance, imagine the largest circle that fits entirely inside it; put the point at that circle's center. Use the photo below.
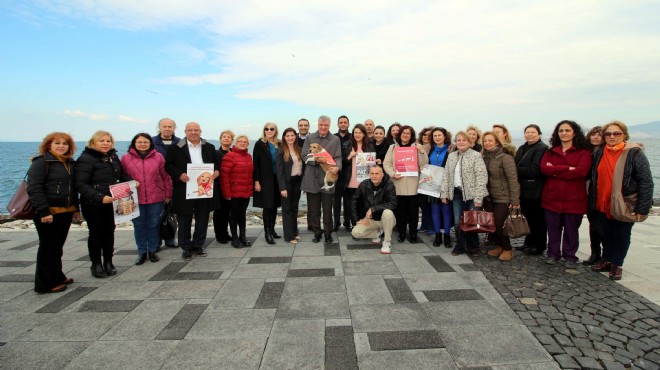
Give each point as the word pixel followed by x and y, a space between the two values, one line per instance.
pixel 316 151
pixel 204 184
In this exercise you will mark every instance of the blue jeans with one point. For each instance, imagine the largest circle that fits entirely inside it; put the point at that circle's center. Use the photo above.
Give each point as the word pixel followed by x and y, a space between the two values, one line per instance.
pixel 147 227
pixel 464 241
pixel 441 214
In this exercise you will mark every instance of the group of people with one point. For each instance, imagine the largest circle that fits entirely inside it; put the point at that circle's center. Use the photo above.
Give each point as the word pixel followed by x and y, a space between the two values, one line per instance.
pixel 554 186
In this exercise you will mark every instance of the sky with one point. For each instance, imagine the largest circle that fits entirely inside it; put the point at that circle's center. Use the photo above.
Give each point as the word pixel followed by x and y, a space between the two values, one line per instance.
pixel 121 65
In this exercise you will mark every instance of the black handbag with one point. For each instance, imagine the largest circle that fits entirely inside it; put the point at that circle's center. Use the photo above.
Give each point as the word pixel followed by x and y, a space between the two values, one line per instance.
pixel 168 223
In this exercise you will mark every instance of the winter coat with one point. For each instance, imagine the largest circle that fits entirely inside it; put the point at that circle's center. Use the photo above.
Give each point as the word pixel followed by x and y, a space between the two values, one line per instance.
pixel 368 148
pixel 221 154
pixel 155 182
pixel 269 196
pixel 312 180
pixel 95 172
pixel 377 198
pixel 176 164
pixel 565 190
pixel 381 149
pixel 503 185
pixel 345 144
pixel 406 185
pixel 637 178
pixel 236 174
pixel 474 176
pixel 50 184
pixel 162 148
pixel 528 163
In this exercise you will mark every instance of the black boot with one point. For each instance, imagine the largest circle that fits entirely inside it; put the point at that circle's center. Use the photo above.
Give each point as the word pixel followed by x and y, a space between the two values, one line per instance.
pixel 243 239
pixel 402 236
pixel 153 257
pixel 447 241
pixel 268 235
pixel 142 258
pixel 97 270
pixel 413 237
pixel 273 233
pixel 109 267
pixel 273 219
pixel 438 240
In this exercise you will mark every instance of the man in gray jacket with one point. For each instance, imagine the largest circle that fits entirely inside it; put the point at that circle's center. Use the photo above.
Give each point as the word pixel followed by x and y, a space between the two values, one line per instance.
pixel 312 181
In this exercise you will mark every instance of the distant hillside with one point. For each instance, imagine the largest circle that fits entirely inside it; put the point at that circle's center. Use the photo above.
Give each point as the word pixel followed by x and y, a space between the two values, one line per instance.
pixel 645 131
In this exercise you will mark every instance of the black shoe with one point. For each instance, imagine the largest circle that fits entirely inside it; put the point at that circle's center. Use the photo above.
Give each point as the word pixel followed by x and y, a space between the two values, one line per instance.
pixel 153 257
pixel 142 258
pixel 172 245
pixel 200 252
pixel 317 238
pixel 97 270
pixel 336 226
pixel 269 237
pixel 243 239
pixel 348 227
pixel 593 259
pixel 222 240
pixel 186 255
pixel 523 247
pixel 236 243
pixel 274 234
pixel 534 251
pixel 447 240
pixel 402 237
pixel 412 238
pixel 438 240
pixel 328 238
pixel 110 269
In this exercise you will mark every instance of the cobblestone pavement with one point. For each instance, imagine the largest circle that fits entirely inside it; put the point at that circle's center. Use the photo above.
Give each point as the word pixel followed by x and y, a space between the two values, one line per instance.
pixel 583 319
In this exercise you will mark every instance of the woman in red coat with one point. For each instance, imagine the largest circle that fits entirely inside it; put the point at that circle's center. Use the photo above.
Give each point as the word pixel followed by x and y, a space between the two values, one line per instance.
pixel 237 187
pixel 564 199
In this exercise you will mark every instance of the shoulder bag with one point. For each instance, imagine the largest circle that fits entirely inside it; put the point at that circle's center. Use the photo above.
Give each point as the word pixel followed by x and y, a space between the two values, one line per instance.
pixel 622 207
pixel 477 221
pixel 515 225
pixel 19 205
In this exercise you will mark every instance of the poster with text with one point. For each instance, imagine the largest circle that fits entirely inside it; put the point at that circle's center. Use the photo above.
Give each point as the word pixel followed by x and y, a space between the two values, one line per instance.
pixel 363 162
pixel 125 205
pixel 200 185
pixel 430 179
pixel 405 161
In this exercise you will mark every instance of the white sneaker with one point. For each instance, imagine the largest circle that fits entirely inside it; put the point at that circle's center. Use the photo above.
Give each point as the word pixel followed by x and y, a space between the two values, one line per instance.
pixel 385 249
pixel 375 240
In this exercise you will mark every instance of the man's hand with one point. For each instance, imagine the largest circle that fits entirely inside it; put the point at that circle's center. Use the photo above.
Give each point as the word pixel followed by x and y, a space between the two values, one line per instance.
pixel 257 186
pixel 364 222
pixel 284 193
pixel 320 160
pixel 369 215
pixel 334 170
pixel 216 174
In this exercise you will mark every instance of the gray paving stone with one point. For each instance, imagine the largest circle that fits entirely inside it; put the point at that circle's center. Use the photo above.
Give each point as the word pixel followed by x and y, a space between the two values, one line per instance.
pixel 436 281
pixel 177 289
pixel 401 340
pixel 219 353
pixel 339 348
pixel 331 249
pixel 181 323
pixel 124 355
pixel 313 306
pixel 262 260
pixel 232 324
pixel 237 293
pixel 310 272
pixel 461 313
pixel 25 246
pixel 362 246
pixel 418 359
pixel 17 278
pixel 392 317
pixel 67 299
pixel 315 285
pixel 468 267
pixel 373 267
pixel 38 355
pixel 245 271
pixel 270 251
pixel 548 365
pixel 168 271
pixel 412 264
pixel 124 290
pixel 78 326
pixel 13 290
pixel 146 321
pixel 109 306
pixel 16 263
pixel 270 295
pixel 198 275
pixel 295 344
pixel 452 295
pixel 125 252
pixel 400 291
pixel 368 289
pixel 439 264
pixel 566 362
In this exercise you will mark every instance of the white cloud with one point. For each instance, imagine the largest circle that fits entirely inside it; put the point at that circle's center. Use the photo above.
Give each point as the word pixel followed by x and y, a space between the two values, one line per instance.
pixel 125 118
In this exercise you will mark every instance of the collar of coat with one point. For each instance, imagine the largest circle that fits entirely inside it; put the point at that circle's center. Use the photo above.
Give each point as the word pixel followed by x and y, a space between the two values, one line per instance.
pixel 184 142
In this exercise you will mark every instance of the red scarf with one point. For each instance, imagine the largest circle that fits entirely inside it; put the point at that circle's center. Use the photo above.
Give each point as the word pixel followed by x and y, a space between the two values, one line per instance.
pixel 606 177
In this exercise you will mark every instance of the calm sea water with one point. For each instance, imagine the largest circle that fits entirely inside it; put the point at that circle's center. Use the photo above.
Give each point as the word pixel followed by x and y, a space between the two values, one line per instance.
pixel 15 161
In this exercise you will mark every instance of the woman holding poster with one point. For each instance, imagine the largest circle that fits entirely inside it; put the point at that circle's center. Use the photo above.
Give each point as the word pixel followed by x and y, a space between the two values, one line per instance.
pixel 97 168
pixel 361 150
pixel 147 166
pixel 402 162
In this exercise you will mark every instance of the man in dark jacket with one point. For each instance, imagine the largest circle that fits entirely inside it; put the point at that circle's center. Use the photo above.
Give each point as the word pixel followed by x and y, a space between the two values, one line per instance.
pixel 374 202
pixel 303 131
pixel 191 150
pixel 162 142
pixel 345 174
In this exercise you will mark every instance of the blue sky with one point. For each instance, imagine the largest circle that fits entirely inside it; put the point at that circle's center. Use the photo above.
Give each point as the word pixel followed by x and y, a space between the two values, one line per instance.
pixel 84 65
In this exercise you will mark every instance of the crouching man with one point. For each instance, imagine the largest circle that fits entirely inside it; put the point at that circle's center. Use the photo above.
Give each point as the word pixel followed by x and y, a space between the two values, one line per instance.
pixel 374 202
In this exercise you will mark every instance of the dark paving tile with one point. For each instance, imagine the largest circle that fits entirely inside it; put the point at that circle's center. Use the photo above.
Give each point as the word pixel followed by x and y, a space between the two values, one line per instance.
pixel 181 323
pixel 270 295
pixel 400 291
pixel 64 301
pixel 351 247
pixel 25 246
pixel 331 249
pixel 2 343
pixel 17 278
pixel 83 239
pixel 109 306
pixel 208 242
pixel 310 272
pixel 168 271
pixel 438 264
pixel 468 267
pixel 126 252
pixel 476 368
pixel 198 275
pixel 16 263
pixel 452 295
pixel 83 258
pixel 4 240
pixel 340 348
pixel 396 340
pixel 261 260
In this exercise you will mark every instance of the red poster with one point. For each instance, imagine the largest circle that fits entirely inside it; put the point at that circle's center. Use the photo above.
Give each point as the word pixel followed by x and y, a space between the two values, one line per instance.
pixel 405 161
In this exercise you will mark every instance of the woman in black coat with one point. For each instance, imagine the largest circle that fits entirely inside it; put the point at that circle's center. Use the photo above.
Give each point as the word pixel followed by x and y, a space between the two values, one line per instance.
pixel 53 194
pixel 99 167
pixel 289 177
pixel 528 162
pixel 221 216
pixel 266 190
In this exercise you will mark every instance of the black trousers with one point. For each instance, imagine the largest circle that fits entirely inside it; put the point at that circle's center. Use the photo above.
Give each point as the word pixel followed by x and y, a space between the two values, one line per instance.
pixel 101 224
pixel 52 237
pixel 406 213
pixel 315 202
pixel 500 212
pixel 533 212
pixel 237 219
pixel 221 219
pixel 201 213
pixel 595 232
pixel 290 208
pixel 341 195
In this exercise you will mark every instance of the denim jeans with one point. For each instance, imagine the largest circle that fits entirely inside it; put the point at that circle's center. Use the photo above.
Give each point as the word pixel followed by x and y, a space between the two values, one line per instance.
pixel 464 241
pixel 147 227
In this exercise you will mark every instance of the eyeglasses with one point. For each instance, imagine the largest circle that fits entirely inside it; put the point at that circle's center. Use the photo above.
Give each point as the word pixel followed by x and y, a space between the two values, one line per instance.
pixel 269 129
pixel 615 134
pixel 242 142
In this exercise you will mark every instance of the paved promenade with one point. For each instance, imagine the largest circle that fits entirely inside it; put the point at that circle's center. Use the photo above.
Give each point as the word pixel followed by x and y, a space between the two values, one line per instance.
pixel 337 306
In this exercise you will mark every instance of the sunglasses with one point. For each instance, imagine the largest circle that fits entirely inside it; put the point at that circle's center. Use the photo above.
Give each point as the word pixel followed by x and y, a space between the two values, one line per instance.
pixel 269 129
pixel 615 134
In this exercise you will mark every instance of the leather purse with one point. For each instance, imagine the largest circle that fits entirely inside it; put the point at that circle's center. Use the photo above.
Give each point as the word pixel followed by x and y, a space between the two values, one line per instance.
pixel 477 221
pixel 622 207
pixel 515 225
pixel 19 205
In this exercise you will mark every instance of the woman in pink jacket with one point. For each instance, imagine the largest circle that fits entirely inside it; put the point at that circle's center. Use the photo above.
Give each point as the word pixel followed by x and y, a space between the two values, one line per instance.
pixel 144 164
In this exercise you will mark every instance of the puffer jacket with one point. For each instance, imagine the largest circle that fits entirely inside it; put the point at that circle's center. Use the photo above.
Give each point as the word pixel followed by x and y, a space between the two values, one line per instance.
pixel 155 183
pixel 474 176
pixel 378 198
pixel 406 185
pixel 565 190
pixel 637 178
pixel 50 184
pixel 503 186
pixel 95 172
pixel 528 162
pixel 236 174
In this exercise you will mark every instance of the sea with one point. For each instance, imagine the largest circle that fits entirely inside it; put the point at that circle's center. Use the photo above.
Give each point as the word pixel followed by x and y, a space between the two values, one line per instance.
pixel 15 161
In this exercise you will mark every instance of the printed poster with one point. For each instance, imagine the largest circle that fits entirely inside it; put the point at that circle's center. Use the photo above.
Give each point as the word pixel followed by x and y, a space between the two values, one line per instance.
pixel 200 185
pixel 363 162
pixel 430 179
pixel 405 161
pixel 125 204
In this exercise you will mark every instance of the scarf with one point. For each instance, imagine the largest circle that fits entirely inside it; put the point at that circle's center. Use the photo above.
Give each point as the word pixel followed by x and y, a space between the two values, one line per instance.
pixel 437 156
pixel 606 177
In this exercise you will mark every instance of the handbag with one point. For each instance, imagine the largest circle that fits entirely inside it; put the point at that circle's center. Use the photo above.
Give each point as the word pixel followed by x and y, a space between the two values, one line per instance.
pixel 19 205
pixel 168 223
pixel 516 224
pixel 622 207
pixel 477 221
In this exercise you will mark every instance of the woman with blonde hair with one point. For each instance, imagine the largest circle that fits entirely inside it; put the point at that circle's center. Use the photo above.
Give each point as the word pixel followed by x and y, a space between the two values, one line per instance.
pixel 474 133
pixel 237 187
pixel 52 192
pixel 289 177
pixel 221 216
pixel 266 190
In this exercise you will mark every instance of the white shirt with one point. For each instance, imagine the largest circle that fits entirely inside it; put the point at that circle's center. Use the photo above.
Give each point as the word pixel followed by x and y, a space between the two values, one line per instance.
pixel 195 153
pixel 458 181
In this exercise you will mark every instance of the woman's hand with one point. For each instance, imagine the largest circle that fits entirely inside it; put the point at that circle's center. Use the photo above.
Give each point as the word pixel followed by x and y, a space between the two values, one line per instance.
pixel 137 184
pixel 47 220
pixel 351 155
pixel 420 148
pixel 396 176
pixel 284 193
pixel 167 200
pixel 107 199
pixel 257 186
pixel 444 200
pixel 216 173
pixel 184 177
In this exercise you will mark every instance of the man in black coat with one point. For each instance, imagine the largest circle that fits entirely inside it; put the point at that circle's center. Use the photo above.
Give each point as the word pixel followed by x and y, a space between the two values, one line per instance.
pixel 374 202
pixel 191 150
pixel 342 182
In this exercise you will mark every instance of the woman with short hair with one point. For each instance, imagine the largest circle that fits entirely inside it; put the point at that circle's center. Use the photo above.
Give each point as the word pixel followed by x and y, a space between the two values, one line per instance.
pixel 237 187
pixel 221 215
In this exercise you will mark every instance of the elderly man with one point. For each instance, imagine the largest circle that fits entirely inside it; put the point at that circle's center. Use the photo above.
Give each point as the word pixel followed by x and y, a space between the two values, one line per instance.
pixel 374 203
pixel 162 142
pixel 194 150
pixel 303 131
pixel 313 177
pixel 369 125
